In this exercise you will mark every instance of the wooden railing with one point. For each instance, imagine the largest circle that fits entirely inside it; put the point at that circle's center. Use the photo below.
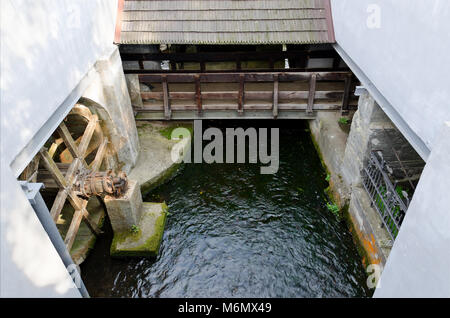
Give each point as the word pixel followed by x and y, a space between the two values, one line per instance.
pixel 307 92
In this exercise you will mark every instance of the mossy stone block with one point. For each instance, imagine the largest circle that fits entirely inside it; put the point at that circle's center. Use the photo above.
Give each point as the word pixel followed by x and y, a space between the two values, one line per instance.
pixel 145 240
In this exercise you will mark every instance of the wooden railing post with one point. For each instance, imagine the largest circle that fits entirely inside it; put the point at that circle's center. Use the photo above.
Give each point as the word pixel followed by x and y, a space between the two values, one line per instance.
pixel 346 98
pixel 241 94
pixel 312 93
pixel 198 94
pixel 167 111
pixel 275 97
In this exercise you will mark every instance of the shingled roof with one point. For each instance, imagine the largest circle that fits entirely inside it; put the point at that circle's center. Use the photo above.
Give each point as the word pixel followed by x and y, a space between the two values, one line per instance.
pixel 224 22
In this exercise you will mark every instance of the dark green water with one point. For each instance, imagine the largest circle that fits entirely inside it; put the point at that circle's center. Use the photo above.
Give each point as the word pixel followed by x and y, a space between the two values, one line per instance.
pixel 233 232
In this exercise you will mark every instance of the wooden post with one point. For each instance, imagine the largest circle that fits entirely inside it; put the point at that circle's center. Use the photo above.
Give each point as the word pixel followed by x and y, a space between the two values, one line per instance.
pixel 198 94
pixel 312 93
pixel 167 111
pixel 241 94
pixel 275 97
pixel 345 99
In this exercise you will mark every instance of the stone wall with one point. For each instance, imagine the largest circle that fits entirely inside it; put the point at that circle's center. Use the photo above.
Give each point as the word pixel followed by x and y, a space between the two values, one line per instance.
pixel 345 155
pixel 109 90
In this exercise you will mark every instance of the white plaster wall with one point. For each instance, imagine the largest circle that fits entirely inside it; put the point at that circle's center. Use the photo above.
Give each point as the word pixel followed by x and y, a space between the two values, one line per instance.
pixel 29 264
pixel 47 52
pixel 47 47
pixel 407 58
pixel 419 263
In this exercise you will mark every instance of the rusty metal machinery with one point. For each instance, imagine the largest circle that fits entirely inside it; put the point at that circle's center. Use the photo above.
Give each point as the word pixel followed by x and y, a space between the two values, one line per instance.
pixel 90 183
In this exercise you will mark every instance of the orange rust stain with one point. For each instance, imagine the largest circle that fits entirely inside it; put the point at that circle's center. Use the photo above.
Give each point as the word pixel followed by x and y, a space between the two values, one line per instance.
pixel 368 244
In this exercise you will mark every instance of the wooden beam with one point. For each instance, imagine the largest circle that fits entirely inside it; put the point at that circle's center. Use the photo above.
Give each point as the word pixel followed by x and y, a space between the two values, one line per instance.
pixel 241 94
pixel 248 106
pixel 167 111
pixel 87 136
pixel 198 94
pixel 31 171
pixel 53 169
pixel 80 205
pixel 346 98
pixel 248 77
pixel 69 142
pixel 99 155
pixel 73 229
pixel 312 93
pixel 275 98
pixel 253 95
pixel 58 204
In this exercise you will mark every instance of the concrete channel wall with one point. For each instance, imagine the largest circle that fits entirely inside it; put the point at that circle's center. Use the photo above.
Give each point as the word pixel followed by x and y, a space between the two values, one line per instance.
pixel 399 51
pixel 345 155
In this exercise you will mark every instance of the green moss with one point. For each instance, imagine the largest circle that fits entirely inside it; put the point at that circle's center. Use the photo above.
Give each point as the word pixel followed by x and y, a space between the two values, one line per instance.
pixel 167 131
pixel 153 242
pixel 333 208
pixel 332 204
pixel 150 247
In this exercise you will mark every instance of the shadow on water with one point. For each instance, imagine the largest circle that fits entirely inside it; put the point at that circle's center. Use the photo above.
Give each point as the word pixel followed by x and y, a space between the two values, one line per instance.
pixel 233 232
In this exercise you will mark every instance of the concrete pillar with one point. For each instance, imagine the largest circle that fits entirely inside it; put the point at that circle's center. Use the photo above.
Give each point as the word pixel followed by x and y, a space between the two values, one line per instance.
pixel 109 90
pixel 124 212
pixel 134 89
pixel 368 123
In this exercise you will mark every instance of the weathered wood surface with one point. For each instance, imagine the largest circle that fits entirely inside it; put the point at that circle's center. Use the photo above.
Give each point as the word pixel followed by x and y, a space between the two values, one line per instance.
pixel 63 175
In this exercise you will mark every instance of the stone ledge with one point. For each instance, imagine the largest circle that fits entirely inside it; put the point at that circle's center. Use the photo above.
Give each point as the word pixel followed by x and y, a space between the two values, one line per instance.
pixel 155 164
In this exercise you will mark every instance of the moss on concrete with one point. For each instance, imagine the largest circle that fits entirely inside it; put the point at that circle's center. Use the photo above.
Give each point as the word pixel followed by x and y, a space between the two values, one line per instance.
pixel 158 180
pixel 146 242
pixel 336 197
pixel 155 165
pixel 167 131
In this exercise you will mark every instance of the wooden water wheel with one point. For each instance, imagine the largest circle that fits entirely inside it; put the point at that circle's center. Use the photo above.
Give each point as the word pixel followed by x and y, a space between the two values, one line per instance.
pixel 73 168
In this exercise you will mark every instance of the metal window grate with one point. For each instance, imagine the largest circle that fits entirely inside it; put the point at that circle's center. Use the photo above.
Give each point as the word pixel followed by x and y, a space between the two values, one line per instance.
pixel 383 194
